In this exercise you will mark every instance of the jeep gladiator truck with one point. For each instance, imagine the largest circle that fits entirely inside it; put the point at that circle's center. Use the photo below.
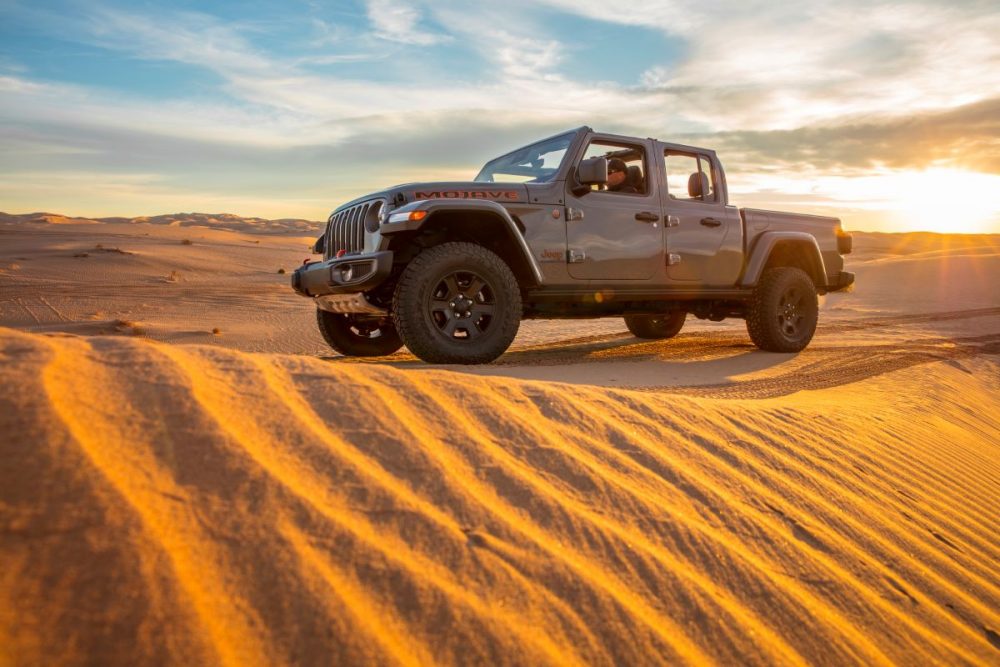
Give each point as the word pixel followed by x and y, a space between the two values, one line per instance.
pixel 450 269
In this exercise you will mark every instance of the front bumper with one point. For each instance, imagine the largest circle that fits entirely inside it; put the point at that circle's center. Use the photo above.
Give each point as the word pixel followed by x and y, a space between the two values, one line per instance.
pixel 844 280
pixel 343 275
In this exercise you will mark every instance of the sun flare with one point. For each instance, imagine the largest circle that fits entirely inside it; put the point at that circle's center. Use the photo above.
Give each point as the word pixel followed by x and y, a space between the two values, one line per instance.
pixel 938 199
pixel 944 200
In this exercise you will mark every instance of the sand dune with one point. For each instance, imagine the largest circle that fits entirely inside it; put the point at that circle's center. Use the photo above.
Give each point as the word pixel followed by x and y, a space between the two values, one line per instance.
pixel 589 498
pixel 191 504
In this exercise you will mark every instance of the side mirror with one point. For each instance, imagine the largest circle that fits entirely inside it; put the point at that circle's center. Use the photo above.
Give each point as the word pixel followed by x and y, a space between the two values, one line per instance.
pixel 594 171
pixel 320 246
pixel 590 172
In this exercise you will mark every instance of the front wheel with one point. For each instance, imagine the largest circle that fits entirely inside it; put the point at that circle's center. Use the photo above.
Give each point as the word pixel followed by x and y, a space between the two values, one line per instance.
pixel 783 310
pixel 457 303
pixel 354 336
pixel 666 325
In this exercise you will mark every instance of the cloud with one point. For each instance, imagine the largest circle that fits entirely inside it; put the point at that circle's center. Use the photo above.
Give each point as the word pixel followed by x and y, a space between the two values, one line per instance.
pixel 806 64
pixel 86 111
pixel 192 38
pixel 279 81
pixel 800 87
pixel 676 17
pixel 756 65
pixel 397 21
pixel 967 137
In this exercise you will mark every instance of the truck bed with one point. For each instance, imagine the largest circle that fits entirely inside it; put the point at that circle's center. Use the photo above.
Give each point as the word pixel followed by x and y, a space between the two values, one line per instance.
pixel 756 221
pixel 825 229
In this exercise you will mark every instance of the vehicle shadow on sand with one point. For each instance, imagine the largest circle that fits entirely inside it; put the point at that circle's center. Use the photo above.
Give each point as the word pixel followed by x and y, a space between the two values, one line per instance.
pixel 616 360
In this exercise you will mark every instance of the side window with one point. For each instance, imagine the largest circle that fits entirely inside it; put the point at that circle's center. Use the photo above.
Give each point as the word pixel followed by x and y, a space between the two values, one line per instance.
pixel 706 168
pixel 681 168
pixel 626 167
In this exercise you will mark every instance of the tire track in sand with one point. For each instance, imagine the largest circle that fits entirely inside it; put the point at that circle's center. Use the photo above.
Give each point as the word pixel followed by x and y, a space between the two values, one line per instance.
pixel 832 367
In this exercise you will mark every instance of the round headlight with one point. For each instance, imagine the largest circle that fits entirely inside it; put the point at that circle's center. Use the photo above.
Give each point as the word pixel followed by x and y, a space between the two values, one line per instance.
pixel 373 219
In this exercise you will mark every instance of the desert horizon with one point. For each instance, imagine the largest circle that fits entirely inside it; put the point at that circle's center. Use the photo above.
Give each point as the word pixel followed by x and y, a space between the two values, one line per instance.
pixel 237 222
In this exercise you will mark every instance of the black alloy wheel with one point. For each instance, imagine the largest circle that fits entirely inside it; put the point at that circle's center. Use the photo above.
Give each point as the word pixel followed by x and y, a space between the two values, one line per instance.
pixel 457 303
pixel 791 312
pixel 357 336
pixel 783 310
pixel 463 305
pixel 662 326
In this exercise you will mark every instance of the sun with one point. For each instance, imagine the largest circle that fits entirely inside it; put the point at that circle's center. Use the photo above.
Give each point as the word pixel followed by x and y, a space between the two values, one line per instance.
pixel 938 199
pixel 942 200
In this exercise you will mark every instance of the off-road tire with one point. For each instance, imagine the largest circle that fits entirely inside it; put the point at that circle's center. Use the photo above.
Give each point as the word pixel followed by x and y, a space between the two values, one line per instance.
pixel 442 313
pixel 357 337
pixel 666 325
pixel 783 310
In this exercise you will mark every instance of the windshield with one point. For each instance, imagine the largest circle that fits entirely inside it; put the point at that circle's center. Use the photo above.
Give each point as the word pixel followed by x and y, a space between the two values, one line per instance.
pixel 537 163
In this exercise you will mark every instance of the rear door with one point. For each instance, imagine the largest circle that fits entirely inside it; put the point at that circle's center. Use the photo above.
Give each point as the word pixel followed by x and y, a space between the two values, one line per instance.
pixel 616 235
pixel 703 235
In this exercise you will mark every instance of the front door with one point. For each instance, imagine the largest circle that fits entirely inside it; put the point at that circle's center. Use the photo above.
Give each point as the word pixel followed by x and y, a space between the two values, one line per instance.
pixel 615 232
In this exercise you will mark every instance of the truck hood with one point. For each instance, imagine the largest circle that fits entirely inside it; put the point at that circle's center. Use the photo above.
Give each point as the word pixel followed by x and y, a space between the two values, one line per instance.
pixel 398 195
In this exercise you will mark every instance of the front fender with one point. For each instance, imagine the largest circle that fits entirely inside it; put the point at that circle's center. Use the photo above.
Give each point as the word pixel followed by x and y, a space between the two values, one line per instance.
pixel 765 244
pixel 433 206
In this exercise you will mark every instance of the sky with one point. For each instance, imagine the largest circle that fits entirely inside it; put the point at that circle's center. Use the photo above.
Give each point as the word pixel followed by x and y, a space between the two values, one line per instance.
pixel 886 115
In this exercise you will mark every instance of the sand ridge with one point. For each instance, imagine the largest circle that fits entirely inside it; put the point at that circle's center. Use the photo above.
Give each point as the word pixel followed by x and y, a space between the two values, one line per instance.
pixel 192 477
pixel 192 504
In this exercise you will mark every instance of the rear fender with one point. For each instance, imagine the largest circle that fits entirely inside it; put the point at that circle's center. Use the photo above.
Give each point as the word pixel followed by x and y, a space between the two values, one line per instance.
pixel 800 245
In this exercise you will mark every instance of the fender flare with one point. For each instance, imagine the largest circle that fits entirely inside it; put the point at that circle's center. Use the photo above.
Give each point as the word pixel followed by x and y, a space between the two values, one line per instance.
pixel 765 244
pixel 433 206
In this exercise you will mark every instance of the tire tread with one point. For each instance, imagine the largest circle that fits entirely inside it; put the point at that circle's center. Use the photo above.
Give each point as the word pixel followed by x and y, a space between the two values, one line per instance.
pixel 644 326
pixel 336 332
pixel 407 302
pixel 761 316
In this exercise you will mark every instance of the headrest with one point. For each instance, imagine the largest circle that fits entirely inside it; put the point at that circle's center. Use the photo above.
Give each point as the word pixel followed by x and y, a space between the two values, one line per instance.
pixel 698 185
pixel 634 177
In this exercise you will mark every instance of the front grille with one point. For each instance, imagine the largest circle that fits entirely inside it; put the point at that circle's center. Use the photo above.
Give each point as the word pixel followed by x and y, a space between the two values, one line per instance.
pixel 346 228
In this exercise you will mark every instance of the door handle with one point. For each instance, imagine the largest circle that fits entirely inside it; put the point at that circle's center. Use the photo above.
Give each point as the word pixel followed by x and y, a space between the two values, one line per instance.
pixel 711 222
pixel 646 216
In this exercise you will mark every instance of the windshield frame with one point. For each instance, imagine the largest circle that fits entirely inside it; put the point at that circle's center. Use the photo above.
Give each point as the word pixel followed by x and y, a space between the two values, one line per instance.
pixel 571 136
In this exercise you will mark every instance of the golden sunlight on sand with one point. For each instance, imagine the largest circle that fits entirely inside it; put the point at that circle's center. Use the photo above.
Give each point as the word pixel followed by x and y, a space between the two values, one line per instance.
pixel 204 505
pixel 170 495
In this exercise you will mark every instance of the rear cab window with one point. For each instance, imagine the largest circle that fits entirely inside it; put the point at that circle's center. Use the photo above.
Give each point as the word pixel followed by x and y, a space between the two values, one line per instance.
pixel 682 169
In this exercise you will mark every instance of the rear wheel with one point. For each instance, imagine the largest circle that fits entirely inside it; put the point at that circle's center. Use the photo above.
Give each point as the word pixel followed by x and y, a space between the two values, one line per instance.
pixel 784 310
pixel 666 325
pixel 354 336
pixel 457 303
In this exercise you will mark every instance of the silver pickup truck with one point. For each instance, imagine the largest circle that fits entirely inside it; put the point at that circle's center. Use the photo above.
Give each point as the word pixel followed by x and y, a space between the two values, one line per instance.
pixel 579 225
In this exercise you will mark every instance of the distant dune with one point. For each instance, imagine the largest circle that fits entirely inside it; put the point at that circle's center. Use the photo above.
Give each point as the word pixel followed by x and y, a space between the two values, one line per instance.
pixel 190 476
pixel 215 220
